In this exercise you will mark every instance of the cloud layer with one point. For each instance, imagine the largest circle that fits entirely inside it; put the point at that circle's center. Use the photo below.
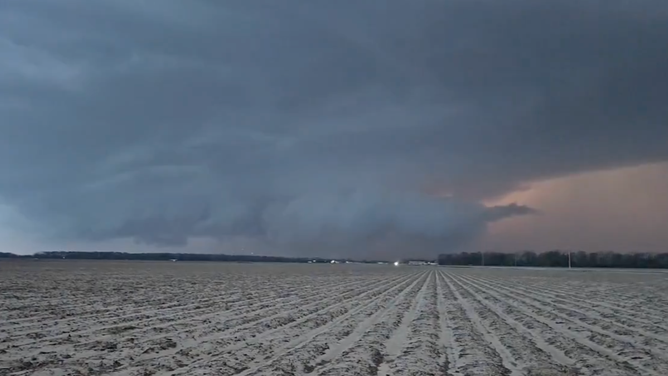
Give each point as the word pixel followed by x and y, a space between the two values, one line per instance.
pixel 312 128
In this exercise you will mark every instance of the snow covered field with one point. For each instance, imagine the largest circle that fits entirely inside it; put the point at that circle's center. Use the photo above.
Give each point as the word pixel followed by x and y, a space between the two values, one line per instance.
pixel 145 318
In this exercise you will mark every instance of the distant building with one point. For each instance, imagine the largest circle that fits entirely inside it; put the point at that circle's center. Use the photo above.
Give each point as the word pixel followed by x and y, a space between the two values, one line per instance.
pixel 420 263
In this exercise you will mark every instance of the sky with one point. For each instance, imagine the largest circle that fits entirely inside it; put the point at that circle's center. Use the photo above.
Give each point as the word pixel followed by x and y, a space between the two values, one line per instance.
pixel 337 129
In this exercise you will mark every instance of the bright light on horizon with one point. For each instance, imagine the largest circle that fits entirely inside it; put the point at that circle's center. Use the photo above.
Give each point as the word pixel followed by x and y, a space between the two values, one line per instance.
pixel 396 263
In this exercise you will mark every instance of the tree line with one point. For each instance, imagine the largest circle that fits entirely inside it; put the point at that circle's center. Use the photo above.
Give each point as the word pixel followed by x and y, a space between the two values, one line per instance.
pixel 557 258
pixel 82 255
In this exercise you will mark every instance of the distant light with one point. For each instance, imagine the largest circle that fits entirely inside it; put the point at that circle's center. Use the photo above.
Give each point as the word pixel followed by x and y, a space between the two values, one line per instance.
pixel 396 263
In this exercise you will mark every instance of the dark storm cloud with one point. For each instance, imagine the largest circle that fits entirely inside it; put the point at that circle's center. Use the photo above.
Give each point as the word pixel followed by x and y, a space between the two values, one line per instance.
pixel 311 126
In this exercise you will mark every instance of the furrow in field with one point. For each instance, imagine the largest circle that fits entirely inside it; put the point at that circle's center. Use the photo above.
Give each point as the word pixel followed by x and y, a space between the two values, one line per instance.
pixel 592 310
pixel 624 301
pixel 589 358
pixel 154 345
pixel 395 346
pixel 231 350
pixel 66 304
pixel 475 352
pixel 66 312
pixel 74 324
pixel 122 322
pixel 532 353
pixel 192 297
pixel 619 335
pixel 367 352
pixel 451 351
pixel 319 348
pixel 421 350
pixel 160 323
pixel 600 351
pixel 634 303
pixel 66 307
pixel 132 319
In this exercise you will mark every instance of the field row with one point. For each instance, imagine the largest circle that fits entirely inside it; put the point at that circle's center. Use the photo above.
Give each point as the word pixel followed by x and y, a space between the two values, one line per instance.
pixel 335 320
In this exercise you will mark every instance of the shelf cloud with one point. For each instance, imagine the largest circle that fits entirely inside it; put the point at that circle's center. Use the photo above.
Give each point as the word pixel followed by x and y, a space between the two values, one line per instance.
pixel 312 128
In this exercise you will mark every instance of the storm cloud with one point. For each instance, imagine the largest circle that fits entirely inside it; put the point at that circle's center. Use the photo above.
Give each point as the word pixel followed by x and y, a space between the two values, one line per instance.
pixel 337 128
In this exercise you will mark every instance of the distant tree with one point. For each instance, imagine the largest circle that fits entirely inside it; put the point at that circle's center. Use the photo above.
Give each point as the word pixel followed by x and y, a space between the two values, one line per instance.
pixel 554 258
pixel 528 258
pixel 579 259
pixel 557 258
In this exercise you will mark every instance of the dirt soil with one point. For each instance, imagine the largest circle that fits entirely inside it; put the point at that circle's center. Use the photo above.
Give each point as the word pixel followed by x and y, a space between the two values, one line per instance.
pixel 179 318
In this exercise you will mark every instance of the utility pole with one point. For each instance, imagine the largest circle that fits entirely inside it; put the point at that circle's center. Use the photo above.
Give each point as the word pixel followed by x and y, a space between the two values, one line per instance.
pixel 483 258
pixel 569 259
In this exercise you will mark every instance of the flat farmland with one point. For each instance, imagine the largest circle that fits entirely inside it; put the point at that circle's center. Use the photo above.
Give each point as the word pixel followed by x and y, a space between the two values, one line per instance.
pixel 163 318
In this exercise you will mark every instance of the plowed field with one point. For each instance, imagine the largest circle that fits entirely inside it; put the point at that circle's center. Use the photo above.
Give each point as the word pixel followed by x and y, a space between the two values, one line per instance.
pixel 152 318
